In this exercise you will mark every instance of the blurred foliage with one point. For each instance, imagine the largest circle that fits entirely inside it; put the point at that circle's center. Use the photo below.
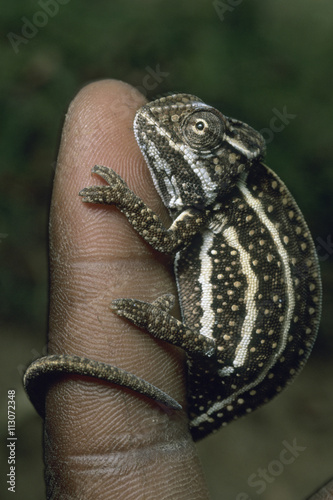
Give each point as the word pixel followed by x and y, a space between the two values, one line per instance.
pixel 252 61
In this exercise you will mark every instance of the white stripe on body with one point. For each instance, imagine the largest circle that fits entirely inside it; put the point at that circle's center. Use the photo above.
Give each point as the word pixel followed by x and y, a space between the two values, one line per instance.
pixel 205 279
pixel 257 207
pixel 249 322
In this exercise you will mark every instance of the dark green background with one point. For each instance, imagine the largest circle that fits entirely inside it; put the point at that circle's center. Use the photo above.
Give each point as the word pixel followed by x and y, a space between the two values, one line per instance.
pixel 252 60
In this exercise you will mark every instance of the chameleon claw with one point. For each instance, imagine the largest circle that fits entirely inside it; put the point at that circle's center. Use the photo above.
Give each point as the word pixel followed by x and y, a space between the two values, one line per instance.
pixel 109 175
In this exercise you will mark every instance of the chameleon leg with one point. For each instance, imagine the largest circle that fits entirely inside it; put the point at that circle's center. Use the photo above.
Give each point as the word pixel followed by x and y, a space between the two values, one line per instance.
pixel 41 372
pixel 141 217
pixel 155 318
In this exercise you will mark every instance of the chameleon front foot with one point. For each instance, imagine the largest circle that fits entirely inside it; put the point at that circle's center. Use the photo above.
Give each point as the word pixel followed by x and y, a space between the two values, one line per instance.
pixel 114 193
pixel 155 318
pixel 40 373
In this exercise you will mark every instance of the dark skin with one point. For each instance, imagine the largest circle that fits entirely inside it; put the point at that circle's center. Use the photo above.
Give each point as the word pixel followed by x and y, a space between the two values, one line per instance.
pixel 103 441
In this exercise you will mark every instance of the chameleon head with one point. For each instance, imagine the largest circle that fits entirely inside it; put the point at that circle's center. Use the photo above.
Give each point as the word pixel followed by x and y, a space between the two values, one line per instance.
pixel 195 154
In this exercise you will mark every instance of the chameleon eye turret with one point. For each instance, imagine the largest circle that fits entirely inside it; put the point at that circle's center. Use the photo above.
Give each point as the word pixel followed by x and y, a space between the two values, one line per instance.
pixel 203 130
pixel 245 264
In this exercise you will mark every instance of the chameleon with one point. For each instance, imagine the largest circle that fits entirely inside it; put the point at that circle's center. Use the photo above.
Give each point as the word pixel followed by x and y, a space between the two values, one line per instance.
pixel 245 265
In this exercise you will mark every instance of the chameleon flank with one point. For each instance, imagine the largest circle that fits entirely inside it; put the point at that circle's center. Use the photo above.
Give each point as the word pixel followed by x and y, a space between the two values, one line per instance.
pixel 245 264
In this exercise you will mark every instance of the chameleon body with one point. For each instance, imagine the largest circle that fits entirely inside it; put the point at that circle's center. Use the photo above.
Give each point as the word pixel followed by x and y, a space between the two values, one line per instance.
pixel 245 264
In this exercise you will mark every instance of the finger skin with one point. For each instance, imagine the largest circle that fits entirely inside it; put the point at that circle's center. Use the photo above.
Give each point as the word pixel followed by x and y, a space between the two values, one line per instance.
pixel 103 441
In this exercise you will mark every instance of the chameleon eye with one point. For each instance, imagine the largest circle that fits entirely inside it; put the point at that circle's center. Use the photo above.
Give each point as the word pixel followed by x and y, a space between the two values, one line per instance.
pixel 203 129
pixel 200 125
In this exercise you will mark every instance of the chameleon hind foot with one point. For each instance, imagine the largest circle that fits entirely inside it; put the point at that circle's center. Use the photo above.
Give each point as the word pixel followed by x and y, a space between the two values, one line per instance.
pixel 155 318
